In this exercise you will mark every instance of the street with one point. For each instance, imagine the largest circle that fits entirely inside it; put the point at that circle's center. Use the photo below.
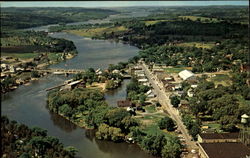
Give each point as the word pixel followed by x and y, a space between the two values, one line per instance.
pixel 165 102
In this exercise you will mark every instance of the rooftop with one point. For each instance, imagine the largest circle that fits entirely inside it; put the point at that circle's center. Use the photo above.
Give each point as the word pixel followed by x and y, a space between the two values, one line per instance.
pixel 185 74
pixel 226 150
pixel 219 135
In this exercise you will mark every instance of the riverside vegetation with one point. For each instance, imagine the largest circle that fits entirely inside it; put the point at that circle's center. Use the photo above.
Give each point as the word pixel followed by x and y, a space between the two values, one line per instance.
pixel 18 140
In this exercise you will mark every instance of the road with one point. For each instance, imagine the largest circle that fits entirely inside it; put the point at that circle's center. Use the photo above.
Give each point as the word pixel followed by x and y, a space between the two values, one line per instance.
pixel 165 102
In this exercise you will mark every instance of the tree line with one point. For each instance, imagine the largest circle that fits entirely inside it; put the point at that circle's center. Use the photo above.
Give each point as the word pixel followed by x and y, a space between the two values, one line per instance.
pixel 18 140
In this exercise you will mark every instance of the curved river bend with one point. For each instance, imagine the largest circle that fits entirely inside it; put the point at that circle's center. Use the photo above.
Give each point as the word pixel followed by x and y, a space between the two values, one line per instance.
pixel 27 104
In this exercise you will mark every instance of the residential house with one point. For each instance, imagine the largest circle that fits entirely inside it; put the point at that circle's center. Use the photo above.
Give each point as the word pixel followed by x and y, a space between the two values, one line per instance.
pixel 150 94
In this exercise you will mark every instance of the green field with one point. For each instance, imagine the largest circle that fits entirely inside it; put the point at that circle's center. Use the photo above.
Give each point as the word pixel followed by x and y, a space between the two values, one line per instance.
pixel 208 45
pixel 223 79
pixel 176 69
pixel 152 22
pixel 21 55
pixel 97 31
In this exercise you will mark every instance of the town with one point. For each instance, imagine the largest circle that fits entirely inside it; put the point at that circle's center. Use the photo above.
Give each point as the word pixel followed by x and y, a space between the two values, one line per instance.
pixel 129 79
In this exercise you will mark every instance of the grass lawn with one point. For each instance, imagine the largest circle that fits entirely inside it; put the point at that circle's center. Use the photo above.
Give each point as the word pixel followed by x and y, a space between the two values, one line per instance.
pixel 21 55
pixel 213 126
pixel 149 122
pixel 208 45
pixel 97 31
pixel 152 22
pixel 54 56
pixel 242 101
pixel 223 79
pixel 176 69
pixel 150 108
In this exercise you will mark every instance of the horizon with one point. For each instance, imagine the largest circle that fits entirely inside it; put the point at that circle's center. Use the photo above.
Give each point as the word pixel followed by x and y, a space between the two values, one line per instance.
pixel 119 4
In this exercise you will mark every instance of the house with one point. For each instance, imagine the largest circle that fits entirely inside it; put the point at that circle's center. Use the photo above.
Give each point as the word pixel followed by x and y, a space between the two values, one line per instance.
pixel 169 87
pixel 115 71
pixel 4 67
pixel 136 72
pixel 146 84
pixel 245 68
pixel 12 69
pixel 141 76
pixel 223 150
pixel 180 93
pixel 170 78
pixel 157 71
pixel 150 94
pixel 218 137
pixel 186 75
pixel 124 103
pixel 144 80
pixel 177 87
pixel 190 92
pixel 98 71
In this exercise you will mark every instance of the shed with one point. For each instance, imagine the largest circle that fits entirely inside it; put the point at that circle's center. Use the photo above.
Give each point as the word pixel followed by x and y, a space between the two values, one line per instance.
pixel 186 75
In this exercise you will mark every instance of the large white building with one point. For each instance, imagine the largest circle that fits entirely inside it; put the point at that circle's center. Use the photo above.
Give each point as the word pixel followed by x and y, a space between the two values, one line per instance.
pixel 186 75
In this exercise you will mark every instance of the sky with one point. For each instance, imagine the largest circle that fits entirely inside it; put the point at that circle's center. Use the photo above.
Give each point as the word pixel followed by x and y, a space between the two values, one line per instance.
pixel 93 4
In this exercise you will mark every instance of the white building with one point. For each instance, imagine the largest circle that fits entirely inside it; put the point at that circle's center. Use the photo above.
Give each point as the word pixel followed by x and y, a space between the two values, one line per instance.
pixel 143 80
pixel 186 75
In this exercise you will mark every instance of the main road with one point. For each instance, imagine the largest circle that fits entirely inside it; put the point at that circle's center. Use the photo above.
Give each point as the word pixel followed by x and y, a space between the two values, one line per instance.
pixel 165 102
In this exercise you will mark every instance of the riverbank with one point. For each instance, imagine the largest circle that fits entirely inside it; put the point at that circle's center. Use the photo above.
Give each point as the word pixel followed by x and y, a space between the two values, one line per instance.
pixel 20 71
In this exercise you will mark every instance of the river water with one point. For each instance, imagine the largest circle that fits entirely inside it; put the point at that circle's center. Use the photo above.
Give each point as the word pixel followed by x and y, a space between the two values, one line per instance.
pixel 27 104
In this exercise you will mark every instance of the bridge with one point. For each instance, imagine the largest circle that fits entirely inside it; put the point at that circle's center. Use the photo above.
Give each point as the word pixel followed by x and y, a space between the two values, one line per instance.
pixel 61 71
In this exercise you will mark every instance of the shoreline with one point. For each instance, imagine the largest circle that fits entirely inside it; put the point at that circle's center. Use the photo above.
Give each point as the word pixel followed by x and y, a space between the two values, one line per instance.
pixel 28 82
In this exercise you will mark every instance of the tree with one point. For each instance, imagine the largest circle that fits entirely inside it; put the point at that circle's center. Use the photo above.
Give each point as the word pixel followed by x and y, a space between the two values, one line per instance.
pixel 72 150
pixel 175 101
pixel 188 121
pixel 153 143
pixel 66 110
pixel 110 84
pixel 195 129
pixel 166 123
pixel 115 116
pixel 171 150
pixel 25 155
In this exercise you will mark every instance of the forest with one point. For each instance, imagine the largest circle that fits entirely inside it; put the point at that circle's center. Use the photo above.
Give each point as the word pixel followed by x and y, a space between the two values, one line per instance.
pixel 31 41
pixel 18 140
pixel 20 18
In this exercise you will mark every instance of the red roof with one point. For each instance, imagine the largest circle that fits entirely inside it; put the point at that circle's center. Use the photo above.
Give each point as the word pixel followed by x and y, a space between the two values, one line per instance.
pixel 226 150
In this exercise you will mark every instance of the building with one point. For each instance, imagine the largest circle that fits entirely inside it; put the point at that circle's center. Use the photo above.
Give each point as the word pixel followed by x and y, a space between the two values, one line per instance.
pixel 186 75
pixel 124 103
pixel 218 137
pixel 150 94
pixel 144 80
pixel 223 150
pixel 73 85
pixel 190 92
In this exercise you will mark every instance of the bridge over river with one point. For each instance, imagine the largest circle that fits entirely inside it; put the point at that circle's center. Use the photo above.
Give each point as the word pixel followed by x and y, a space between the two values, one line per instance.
pixel 61 71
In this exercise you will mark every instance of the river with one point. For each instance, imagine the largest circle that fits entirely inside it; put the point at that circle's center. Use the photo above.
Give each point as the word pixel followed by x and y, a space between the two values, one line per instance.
pixel 27 104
